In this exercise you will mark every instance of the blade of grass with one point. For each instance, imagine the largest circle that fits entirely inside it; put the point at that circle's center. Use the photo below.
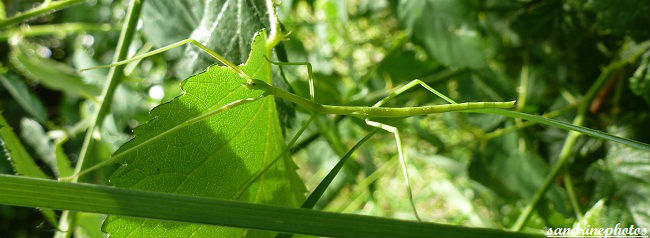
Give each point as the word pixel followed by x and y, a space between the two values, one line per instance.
pixel 568 126
pixel 32 192
pixel 322 186
pixel 325 183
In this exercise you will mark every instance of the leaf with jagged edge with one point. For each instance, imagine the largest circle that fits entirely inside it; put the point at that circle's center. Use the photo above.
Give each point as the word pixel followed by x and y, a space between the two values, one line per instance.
pixel 211 158
pixel 225 26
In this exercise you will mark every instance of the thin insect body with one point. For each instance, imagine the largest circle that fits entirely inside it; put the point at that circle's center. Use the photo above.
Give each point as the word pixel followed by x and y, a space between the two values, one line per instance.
pixel 359 111
pixel 365 113
pixel 370 112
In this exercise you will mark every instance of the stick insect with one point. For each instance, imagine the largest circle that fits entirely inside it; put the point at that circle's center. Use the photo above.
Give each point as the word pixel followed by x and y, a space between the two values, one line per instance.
pixel 366 113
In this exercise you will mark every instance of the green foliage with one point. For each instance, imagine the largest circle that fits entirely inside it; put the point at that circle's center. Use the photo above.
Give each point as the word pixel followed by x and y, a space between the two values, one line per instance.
pixel 447 29
pixel 20 159
pixel 592 217
pixel 640 81
pixel 565 60
pixel 621 177
pixel 27 100
pixel 53 74
pixel 16 153
pixel 205 22
pixel 3 15
pixel 208 157
pixel 622 17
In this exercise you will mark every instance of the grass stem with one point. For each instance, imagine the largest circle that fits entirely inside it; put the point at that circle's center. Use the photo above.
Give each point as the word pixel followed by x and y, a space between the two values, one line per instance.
pixel 113 78
pixel 46 7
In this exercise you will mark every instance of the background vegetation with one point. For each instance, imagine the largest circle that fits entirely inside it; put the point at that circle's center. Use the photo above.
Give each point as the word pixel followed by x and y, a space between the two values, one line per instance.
pixel 584 62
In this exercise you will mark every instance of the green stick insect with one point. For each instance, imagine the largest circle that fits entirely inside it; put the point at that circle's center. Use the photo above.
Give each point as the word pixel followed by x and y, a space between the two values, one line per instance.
pixel 365 113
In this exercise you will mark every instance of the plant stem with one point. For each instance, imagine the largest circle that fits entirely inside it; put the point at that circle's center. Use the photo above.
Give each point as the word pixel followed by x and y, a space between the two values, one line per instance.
pixel 275 36
pixel 522 99
pixel 40 30
pixel 44 8
pixel 568 183
pixel 523 86
pixel 362 188
pixel 320 189
pixel 113 78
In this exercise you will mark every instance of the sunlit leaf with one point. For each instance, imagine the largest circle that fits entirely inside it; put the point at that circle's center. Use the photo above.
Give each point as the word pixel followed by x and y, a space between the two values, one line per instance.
pixel 211 158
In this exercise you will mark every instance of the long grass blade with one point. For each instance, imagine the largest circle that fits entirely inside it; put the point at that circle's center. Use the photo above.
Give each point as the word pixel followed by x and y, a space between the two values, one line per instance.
pixel 322 186
pixel 568 126
pixel 33 192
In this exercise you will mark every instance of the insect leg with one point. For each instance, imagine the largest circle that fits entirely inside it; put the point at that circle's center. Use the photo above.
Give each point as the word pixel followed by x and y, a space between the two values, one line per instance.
pixel 309 73
pixel 207 50
pixel 402 159
pixel 410 85
pixel 395 131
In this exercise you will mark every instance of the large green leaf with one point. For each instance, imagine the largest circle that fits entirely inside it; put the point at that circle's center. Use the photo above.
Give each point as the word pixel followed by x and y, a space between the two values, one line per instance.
pixel 225 26
pixel 210 158
pixel 446 28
